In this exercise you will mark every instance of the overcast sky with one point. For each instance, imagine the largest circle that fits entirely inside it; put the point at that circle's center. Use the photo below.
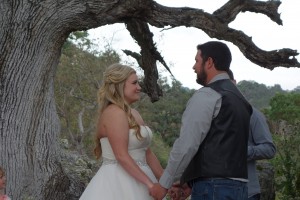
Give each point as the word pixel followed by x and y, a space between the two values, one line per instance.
pixel 178 45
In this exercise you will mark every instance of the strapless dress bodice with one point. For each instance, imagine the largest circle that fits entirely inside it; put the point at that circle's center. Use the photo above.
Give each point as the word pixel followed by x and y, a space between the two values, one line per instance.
pixel 136 147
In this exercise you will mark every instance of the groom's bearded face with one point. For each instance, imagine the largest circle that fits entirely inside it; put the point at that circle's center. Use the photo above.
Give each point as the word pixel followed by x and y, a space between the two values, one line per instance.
pixel 202 75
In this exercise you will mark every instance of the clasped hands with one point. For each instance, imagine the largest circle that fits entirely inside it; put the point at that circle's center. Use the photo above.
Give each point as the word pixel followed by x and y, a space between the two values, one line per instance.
pixel 176 192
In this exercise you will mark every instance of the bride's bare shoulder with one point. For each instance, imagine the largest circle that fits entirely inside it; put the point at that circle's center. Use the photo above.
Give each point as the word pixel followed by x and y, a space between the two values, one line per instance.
pixel 112 113
pixel 112 109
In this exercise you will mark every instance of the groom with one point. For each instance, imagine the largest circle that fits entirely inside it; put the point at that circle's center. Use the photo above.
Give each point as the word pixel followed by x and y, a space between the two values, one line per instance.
pixel 212 147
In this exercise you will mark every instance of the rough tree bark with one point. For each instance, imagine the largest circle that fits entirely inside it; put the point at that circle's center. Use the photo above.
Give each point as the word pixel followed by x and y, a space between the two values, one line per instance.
pixel 31 37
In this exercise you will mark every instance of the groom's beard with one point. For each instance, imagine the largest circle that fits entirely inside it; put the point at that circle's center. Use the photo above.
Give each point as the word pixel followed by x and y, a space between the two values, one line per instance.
pixel 202 76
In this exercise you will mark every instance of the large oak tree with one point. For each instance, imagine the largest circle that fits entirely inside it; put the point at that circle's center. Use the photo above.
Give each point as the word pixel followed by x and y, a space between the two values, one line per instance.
pixel 32 33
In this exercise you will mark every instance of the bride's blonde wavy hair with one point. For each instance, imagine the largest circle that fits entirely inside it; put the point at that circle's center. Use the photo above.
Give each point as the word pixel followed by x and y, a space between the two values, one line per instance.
pixel 112 92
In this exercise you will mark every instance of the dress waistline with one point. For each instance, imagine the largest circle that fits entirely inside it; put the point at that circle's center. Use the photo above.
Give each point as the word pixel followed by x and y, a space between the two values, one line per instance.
pixel 106 161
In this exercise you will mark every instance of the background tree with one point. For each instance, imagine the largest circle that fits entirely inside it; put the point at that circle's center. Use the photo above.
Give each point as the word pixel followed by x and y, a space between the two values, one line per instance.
pixel 32 34
pixel 284 114
pixel 259 95
pixel 297 89
pixel 78 79
pixel 285 107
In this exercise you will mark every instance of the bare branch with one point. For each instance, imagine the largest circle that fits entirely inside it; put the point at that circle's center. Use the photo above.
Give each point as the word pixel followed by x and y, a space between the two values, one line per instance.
pixel 139 30
pixel 268 8
pixel 216 27
pixel 231 9
pixel 141 12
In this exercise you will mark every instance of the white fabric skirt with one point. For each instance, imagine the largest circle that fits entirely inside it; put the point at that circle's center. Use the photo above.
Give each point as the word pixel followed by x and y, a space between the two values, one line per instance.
pixel 112 182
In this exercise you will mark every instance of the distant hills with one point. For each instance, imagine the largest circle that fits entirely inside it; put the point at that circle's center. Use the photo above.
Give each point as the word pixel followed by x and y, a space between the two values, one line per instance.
pixel 259 95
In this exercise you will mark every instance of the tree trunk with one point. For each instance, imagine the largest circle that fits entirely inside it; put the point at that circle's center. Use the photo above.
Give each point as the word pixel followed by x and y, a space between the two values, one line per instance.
pixel 32 34
pixel 29 123
pixel 30 49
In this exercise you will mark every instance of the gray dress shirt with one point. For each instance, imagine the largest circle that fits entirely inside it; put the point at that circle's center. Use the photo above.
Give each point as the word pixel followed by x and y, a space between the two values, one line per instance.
pixel 200 110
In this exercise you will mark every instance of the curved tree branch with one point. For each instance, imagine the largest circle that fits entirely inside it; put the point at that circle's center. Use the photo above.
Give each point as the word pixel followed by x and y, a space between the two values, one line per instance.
pixel 216 26
pixel 231 9
pixel 137 13
pixel 140 31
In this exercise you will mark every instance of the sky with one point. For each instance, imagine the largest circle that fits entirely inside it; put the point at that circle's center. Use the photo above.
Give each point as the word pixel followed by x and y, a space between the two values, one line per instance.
pixel 178 45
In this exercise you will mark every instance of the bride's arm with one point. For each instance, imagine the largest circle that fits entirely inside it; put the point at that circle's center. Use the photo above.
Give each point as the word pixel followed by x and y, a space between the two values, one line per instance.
pixel 154 164
pixel 117 128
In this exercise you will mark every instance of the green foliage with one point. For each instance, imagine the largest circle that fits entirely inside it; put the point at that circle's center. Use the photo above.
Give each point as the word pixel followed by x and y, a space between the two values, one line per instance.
pixel 287 165
pixel 285 107
pixel 80 38
pixel 160 149
pixel 285 112
pixel 296 90
pixel 257 94
pixel 77 80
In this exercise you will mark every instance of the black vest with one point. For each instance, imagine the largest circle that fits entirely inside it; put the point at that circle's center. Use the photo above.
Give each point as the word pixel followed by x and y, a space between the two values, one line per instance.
pixel 223 152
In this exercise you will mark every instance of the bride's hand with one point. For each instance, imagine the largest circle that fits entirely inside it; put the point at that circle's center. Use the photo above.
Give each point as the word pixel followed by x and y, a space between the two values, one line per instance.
pixel 158 192
pixel 149 186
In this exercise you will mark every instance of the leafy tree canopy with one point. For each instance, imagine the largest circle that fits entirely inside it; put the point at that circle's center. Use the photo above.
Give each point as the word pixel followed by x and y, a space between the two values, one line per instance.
pixel 285 107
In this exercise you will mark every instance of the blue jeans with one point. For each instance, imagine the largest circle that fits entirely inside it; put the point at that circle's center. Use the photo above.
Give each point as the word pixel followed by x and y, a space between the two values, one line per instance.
pixel 219 189
pixel 255 197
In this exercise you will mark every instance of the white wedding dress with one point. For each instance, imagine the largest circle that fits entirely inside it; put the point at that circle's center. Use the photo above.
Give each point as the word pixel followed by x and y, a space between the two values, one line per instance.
pixel 112 182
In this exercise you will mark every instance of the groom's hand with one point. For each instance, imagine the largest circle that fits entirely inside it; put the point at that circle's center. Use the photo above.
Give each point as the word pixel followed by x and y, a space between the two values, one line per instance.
pixel 158 192
pixel 179 192
pixel 186 190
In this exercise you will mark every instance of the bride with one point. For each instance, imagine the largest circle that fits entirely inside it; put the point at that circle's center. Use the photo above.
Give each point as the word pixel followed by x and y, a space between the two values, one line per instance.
pixel 129 167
